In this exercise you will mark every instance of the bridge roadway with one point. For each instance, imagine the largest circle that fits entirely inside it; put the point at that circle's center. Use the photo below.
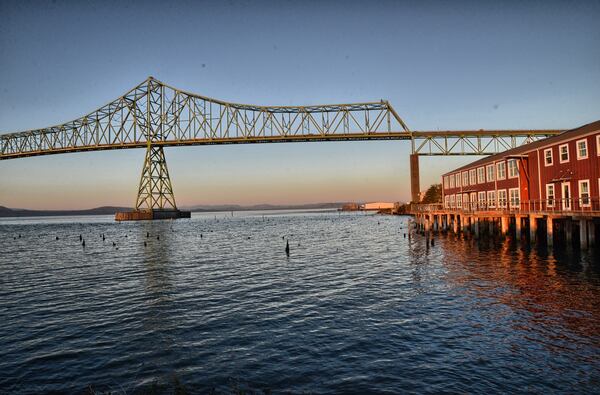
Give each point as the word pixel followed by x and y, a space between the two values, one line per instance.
pixel 154 115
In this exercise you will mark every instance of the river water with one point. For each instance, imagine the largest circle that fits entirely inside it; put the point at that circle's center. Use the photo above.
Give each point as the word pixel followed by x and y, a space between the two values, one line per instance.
pixel 214 304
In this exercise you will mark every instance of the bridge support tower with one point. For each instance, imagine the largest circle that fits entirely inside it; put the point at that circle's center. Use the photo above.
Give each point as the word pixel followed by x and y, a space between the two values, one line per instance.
pixel 415 187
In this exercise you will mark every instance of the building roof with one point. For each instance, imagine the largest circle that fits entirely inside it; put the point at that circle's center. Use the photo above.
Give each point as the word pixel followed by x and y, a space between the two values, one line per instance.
pixel 523 149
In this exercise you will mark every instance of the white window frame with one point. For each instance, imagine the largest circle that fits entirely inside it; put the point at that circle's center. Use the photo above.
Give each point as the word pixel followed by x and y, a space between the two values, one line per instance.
pixel 457 178
pixel 472 177
pixel 491 199
pixel 510 168
pixel 481 175
pixel 452 199
pixel 481 199
pixel 487 173
pixel 445 182
pixel 502 203
pixel 546 164
pixel 567 203
pixel 501 175
pixel 587 153
pixel 579 183
pixel 459 200
pixel 447 201
pixel 550 200
pixel 560 158
pixel 511 200
pixel 452 181
pixel 598 145
pixel 465 178
pixel 473 200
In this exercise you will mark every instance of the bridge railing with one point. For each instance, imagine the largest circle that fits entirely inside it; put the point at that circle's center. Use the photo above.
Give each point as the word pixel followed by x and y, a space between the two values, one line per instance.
pixel 568 206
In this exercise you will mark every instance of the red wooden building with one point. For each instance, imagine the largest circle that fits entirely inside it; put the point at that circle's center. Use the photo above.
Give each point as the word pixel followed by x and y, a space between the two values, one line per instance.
pixel 560 173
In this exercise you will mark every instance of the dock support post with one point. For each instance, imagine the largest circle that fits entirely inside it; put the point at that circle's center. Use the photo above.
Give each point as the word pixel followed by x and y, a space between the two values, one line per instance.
pixel 517 227
pixel 415 187
pixel 476 226
pixel 583 239
pixel 491 226
pixel 550 231
pixel 455 224
pixel 504 220
pixel 532 228
pixel 465 224
pixel 591 233
pixel 569 231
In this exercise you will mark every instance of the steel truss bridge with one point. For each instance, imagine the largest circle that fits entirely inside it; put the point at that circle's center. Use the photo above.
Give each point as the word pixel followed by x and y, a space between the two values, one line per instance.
pixel 154 115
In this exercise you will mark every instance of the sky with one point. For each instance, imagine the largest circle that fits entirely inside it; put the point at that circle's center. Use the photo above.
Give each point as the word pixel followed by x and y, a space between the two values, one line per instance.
pixel 442 65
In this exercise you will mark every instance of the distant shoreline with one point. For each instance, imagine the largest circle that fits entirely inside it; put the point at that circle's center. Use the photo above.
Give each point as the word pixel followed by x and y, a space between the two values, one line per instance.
pixel 6 212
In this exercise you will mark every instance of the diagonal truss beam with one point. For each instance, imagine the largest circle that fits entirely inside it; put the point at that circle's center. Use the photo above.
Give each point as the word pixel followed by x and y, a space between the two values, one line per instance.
pixel 179 118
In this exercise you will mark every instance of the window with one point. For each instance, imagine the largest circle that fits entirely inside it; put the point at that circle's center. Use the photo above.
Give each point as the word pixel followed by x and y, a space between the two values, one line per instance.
pixel 452 181
pixel 548 157
pixel 491 199
pixel 490 173
pixel 582 152
pixel 550 196
pixel 445 182
pixel 481 200
pixel 501 170
pixel 472 177
pixel 598 145
pixel 480 175
pixel 451 201
pixel 564 153
pixel 465 176
pixel 465 200
pixel 502 198
pixel 459 201
pixel 514 197
pixel 473 200
pixel 584 193
pixel 457 177
pixel 447 201
pixel 513 168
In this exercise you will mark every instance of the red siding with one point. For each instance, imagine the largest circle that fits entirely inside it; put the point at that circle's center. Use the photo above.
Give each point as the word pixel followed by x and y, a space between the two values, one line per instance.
pixel 534 175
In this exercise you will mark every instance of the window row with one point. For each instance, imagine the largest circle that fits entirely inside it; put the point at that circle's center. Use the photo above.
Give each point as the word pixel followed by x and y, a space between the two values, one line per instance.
pixel 483 174
pixel 566 196
pixel 581 152
pixel 484 199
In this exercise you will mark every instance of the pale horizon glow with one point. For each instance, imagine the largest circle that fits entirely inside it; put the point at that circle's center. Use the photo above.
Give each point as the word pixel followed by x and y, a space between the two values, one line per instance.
pixel 443 66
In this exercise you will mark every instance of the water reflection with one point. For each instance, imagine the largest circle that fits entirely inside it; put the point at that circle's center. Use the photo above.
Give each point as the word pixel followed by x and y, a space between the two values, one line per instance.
pixel 356 307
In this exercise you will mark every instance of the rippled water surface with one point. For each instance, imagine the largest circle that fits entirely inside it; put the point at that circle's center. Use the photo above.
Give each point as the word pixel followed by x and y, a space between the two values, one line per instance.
pixel 214 303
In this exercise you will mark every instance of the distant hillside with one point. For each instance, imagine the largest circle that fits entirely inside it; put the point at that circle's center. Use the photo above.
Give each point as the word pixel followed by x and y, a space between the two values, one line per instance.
pixel 17 212
pixel 257 207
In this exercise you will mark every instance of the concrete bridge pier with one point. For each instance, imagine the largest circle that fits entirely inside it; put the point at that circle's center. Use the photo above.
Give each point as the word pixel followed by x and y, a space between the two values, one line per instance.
pixel 415 187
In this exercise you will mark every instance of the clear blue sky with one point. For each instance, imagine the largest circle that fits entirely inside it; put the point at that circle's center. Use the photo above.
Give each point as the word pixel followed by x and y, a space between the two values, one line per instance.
pixel 442 65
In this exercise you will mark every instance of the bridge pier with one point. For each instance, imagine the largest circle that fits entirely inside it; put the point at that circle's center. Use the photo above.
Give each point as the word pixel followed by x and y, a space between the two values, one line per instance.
pixel 415 187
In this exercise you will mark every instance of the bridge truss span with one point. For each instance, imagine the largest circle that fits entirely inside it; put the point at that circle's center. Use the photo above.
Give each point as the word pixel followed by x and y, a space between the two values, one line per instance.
pixel 156 112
